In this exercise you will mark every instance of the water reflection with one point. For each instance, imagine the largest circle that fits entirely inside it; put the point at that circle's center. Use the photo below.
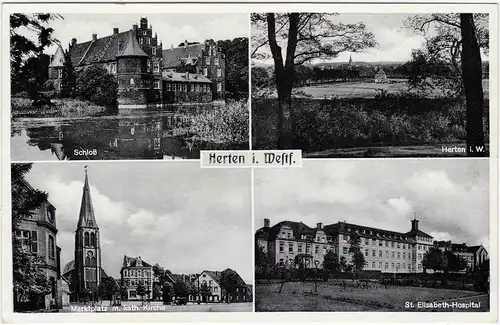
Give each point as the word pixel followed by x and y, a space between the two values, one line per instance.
pixel 110 137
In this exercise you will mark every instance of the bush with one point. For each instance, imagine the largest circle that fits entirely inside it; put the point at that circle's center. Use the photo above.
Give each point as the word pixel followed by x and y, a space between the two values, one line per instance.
pixel 96 85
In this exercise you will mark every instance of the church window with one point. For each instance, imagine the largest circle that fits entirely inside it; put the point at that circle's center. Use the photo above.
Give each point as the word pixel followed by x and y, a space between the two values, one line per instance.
pixel 86 236
pixel 93 261
pixel 208 60
pixel 219 86
pixel 87 261
pixel 156 67
pixel 216 61
pixel 132 81
pixel 205 72
pixel 52 248
pixel 59 73
pixel 219 72
pixel 92 240
pixel 154 50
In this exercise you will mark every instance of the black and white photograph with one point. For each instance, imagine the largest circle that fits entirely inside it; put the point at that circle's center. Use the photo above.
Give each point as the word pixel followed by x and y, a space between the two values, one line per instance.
pixel 372 84
pixel 131 237
pixel 373 235
pixel 124 86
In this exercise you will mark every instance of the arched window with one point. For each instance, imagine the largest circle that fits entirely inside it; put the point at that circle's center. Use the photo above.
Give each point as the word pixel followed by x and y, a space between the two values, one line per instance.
pixel 93 261
pixel 86 239
pixel 87 261
pixel 92 240
pixel 125 273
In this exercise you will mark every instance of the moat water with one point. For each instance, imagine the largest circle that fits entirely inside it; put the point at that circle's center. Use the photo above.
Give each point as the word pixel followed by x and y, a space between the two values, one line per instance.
pixel 146 134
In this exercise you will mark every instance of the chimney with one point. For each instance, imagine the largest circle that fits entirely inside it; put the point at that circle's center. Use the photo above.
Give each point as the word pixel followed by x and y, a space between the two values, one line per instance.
pixel 319 225
pixel 267 223
pixel 171 46
pixel 115 31
pixel 94 37
pixel 73 41
pixel 414 225
pixel 185 43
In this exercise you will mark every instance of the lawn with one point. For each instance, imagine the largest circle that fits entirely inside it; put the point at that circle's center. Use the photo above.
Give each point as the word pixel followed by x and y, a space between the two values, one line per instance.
pixel 298 296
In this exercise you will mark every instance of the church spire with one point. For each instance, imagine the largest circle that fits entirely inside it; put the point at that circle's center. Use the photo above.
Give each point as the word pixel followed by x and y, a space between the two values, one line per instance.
pixel 87 218
pixel 350 60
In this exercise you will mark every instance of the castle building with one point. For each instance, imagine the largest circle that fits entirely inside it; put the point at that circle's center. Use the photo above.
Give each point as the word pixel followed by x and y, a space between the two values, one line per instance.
pixel 85 272
pixel 37 235
pixel 136 58
pixel 295 243
pixel 135 272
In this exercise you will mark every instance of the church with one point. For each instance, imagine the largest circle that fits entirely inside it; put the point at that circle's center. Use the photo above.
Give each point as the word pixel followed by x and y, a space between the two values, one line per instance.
pixel 85 272
pixel 146 74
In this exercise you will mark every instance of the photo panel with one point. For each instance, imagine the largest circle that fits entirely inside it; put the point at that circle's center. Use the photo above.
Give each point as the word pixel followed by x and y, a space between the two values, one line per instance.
pixel 360 85
pixel 373 235
pixel 128 86
pixel 155 241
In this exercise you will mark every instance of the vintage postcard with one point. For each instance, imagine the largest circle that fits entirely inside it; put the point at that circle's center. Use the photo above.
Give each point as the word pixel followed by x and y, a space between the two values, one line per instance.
pixel 240 162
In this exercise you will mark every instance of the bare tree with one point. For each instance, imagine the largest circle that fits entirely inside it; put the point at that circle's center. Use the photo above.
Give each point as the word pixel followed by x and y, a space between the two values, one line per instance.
pixel 472 77
pixel 297 38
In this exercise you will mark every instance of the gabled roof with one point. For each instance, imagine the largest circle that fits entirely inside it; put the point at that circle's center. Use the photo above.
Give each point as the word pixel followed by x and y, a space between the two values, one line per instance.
pixel 418 233
pixel 215 275
pixel 474 249
pixel 103 49
pixel 172 57
pixel 184 77
pixel 263 233
pixel 298 229
pixel 132 261
pixel 132 47
pixel 58 58
pixel 380 74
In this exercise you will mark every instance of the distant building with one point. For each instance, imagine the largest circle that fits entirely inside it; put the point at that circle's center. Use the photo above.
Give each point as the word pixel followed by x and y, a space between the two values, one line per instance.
pixel 145 73
pixel 474 255
pixel 213 280
pixel 380 76
pixel 135 271
pixel 37 235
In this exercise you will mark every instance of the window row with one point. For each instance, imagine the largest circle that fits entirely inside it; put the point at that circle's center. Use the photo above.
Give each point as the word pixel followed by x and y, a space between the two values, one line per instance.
pixel 208 60
pixel 138 273
pixel 90 239
pixel 386 265
pixel 381 254
pixel 133 283
pixel 187 87
pixel 303 248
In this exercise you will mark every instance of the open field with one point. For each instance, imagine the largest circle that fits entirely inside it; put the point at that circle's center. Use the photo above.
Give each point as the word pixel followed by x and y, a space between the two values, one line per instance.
pixel 364 89
pixel 298 296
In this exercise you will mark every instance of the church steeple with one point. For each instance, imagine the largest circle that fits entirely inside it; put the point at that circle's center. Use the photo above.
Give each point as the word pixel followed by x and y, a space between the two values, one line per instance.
pixel 350 60
pixel 87 217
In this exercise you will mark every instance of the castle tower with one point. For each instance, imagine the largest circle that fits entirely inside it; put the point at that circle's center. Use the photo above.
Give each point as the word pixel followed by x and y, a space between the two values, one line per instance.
pixel 87 246
pixel 134 79
pixel 56 68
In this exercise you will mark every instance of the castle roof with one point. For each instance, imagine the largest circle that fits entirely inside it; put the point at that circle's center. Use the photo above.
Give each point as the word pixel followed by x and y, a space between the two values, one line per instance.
pixel 102 49
pixel 132 261
pixel 87 217
pixel 184 77
pixel 58 57
pixel 173 57
pixel 132 47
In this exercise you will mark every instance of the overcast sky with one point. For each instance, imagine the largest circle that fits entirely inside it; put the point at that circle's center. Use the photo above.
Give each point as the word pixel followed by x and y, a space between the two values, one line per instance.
pixel 449 197
pixel 185 218
pixel 394 42
pixel 171 28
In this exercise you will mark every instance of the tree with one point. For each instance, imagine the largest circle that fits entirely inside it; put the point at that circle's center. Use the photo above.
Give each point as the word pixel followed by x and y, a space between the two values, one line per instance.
pixel 107 288
pixel 236 53
pixel 261 258
pixel 23 46
pixel 205 290
pixel 68 81
pixel 472 77
pixel 307 36
pixel 434 260
pixel 181 289
pixel 458 39
pixel 455 263
pixel 95 84
pixel 141 291
pixel 482 276
pixel 358 258
pixel 29 283
pixel 331 263
pixel 229 281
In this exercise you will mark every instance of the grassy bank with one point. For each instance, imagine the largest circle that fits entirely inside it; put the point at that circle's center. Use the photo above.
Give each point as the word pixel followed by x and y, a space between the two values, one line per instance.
pixel 22 107
pixel 322 124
